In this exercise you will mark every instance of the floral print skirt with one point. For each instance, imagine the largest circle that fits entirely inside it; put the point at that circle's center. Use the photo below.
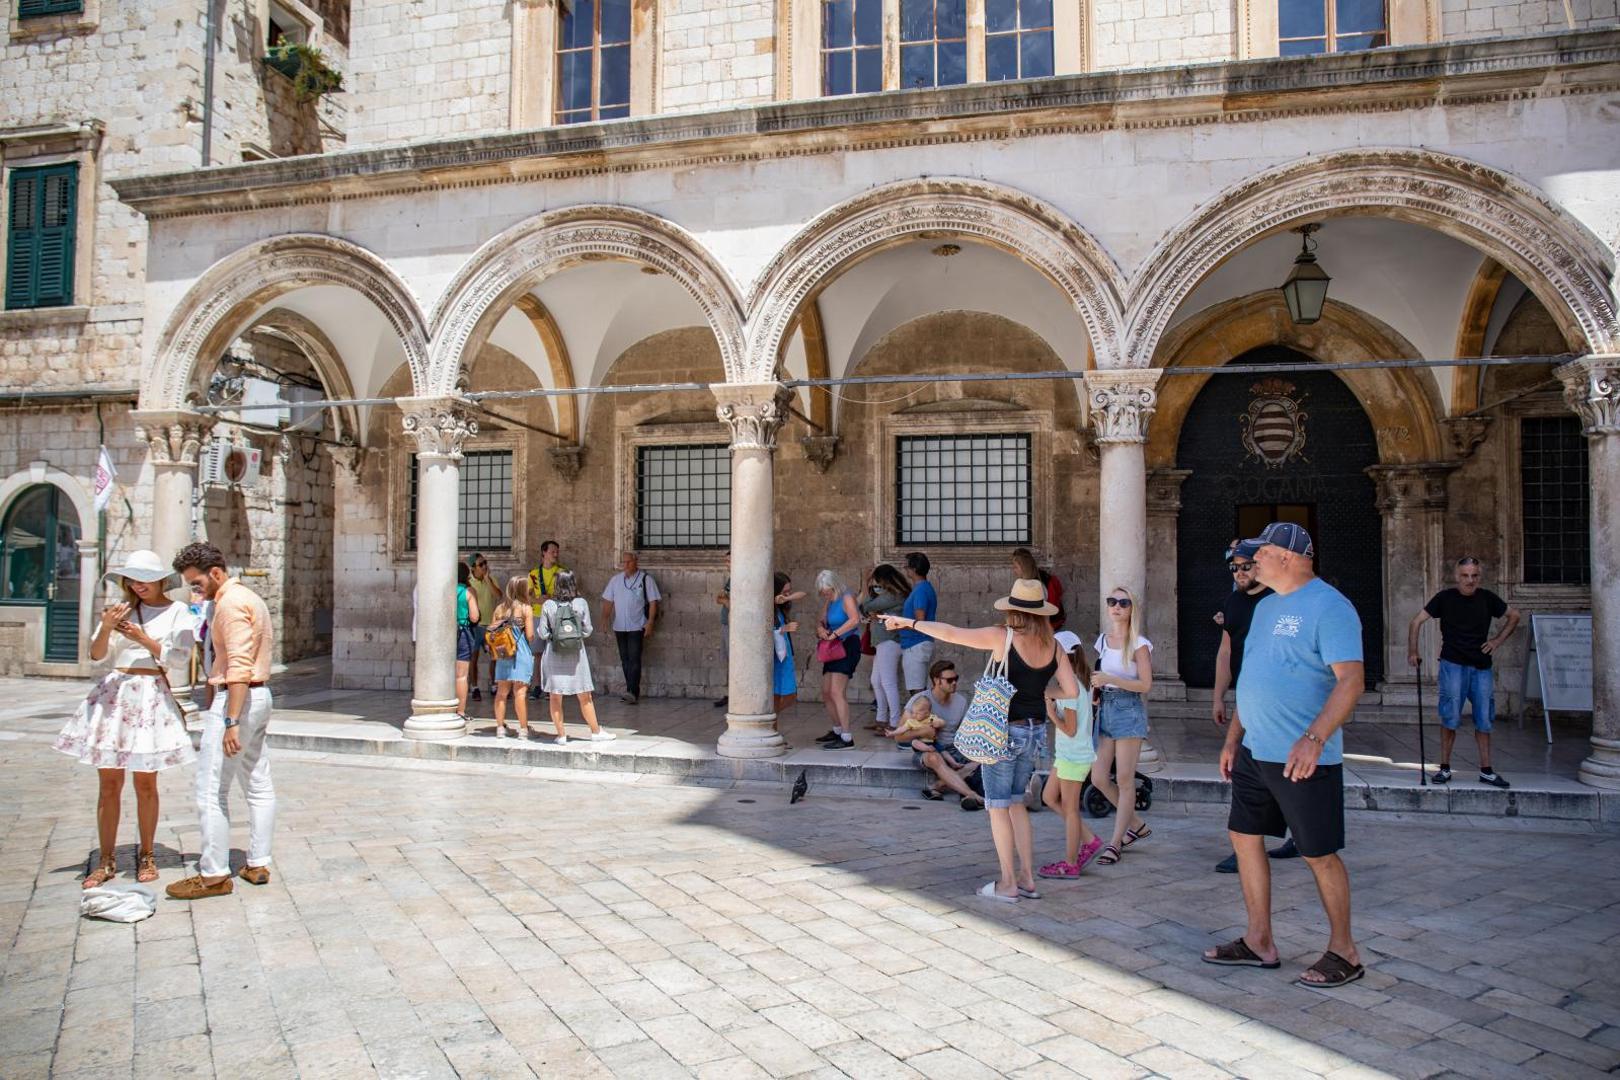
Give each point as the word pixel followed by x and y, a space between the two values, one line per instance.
pixel 128 722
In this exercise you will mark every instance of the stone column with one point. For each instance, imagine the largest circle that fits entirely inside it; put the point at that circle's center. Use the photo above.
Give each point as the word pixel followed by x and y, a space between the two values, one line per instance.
pixel 1120 403
pixel 174 438
pixel 755 413
pixel 1412 501
pixel 440 426
pixel 1592 389
pixel 1163 629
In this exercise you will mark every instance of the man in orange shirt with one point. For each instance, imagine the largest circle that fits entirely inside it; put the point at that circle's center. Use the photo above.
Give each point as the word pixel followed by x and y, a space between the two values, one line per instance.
pixel 234 727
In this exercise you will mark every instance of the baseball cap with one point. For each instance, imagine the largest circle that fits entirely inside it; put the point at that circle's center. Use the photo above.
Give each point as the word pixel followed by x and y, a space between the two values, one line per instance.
pixel 1283 534
pixel 1067 640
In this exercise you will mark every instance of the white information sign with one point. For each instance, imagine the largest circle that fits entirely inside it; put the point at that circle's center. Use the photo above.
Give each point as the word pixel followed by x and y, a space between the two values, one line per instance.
pixel 1559 671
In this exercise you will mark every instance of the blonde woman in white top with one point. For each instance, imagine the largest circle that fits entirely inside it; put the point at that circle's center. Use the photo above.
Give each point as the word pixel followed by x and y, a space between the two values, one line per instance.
pixel 1124 674
pixel 130 721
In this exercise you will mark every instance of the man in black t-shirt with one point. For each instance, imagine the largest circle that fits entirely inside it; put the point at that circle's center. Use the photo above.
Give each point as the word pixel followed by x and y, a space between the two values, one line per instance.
pixel 1466 645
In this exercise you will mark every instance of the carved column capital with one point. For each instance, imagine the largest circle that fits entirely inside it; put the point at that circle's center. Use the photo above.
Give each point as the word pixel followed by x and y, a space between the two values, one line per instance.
pixel 440 425
pixel 755 412
pixel 1120 403
pixel 1466 433
pixel 1592 390
pixel 173 436
pixel 1164 490
pixel 1418 486
pixel 567 460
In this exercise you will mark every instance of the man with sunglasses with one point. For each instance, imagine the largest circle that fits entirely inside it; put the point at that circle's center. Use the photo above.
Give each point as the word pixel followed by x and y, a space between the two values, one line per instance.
pixel 951 771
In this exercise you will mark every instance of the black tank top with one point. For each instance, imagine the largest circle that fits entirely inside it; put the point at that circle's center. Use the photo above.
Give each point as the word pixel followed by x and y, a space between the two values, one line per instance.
pixel 1029 685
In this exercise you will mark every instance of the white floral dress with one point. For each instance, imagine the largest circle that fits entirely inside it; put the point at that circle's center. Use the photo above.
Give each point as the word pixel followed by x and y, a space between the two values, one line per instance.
pixel 130 721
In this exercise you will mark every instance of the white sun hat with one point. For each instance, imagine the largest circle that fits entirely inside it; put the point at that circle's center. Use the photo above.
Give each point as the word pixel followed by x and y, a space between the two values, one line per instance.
pixel 143 566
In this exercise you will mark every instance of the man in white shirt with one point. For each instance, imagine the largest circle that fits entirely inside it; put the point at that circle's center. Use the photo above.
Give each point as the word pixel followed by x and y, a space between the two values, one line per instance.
pixel 630 605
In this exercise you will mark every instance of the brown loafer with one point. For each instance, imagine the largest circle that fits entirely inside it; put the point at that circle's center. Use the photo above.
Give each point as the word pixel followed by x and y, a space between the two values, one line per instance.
pixel 256 875
pixel 195 888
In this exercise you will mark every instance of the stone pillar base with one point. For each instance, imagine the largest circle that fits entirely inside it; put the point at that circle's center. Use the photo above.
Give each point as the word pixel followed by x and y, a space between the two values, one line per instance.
pixel 751 736
pixel 1602 769
pixel 435 721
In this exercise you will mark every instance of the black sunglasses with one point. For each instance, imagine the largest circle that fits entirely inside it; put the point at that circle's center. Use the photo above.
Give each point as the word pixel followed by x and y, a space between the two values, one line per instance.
pixel 1119 601
pixel 949 678
pixel 1243 567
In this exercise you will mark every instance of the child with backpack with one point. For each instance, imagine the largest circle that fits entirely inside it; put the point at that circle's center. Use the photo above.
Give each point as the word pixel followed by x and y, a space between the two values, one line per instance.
pixel 509 631
pixel 565 669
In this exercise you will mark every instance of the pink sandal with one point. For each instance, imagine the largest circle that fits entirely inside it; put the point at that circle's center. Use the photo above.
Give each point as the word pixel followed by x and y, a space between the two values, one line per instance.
pixel 1059 870
pixel 1088 852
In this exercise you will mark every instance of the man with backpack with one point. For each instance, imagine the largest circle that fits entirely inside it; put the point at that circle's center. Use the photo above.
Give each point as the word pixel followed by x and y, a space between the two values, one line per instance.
pixel 630 606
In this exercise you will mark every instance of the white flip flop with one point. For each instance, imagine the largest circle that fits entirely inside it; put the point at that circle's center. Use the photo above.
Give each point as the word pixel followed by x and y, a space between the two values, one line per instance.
pixel 989 889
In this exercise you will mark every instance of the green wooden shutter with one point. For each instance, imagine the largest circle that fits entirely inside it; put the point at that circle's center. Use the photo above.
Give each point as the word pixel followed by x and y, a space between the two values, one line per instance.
pixel 28 8
pixel 40 236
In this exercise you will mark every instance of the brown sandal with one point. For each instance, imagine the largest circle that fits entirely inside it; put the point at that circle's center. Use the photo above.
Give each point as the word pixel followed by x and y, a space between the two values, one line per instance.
pixel 146 870
pixel 1335 971
pixel 102 874
pixel 1238 954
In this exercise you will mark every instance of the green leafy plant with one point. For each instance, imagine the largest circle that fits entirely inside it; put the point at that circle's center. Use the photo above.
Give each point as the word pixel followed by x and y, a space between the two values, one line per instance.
pixel 306 66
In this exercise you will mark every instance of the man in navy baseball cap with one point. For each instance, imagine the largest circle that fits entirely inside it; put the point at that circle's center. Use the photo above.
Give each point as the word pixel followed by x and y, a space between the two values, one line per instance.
pixel 1283 534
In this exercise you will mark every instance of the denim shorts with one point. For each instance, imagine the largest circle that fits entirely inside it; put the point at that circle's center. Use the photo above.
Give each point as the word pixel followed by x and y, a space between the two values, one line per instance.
pixel 1460 683
pixel 466 647
pixel 1005 783
pixel 1124 715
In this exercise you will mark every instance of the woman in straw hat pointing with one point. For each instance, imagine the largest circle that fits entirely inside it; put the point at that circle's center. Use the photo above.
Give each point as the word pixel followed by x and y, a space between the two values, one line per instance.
pixel 130 721
pixel 1024 642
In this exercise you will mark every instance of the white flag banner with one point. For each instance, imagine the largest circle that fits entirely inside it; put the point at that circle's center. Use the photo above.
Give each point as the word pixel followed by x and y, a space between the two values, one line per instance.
pixel 106 477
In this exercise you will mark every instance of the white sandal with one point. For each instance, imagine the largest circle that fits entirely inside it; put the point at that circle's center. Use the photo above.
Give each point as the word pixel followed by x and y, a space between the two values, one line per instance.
pixel 989 889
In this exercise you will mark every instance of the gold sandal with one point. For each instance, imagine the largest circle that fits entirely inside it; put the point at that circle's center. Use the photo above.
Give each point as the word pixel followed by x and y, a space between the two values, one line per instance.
pixel 146 867
pixel 102 874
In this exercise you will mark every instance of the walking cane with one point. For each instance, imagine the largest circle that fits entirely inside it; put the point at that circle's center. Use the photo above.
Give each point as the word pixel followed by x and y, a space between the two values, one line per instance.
pixel 1423 768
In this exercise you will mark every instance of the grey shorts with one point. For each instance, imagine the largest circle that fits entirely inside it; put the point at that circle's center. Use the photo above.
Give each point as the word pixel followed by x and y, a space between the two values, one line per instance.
pixel 914 664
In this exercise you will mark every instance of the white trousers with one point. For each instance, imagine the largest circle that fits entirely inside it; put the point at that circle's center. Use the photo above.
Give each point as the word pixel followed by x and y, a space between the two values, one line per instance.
pixel 215 775
pixel 886 682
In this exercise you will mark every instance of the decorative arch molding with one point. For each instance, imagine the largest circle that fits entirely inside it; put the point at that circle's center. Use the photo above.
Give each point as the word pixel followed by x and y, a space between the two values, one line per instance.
pixel 1471 331
pixel 1401 403
pixel 311 340
pixel 1558 258
pixel 222 303
pixel 513 262
pixel 926 209
pixel 79 495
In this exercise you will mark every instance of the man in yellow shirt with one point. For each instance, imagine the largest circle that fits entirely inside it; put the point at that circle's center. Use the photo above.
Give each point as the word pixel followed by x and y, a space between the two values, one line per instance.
pixel 543 584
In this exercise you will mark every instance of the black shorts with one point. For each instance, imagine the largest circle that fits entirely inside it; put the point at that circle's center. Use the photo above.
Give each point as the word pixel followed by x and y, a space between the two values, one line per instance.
pixel 851 660
pixel 1265 803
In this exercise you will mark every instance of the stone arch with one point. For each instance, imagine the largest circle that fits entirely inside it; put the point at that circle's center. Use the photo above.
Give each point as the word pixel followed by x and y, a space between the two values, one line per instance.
pixel 1556 256
pixel 1019 224
pixel 515 261
pixel 222 303
pixel 1400 402
pixel 22 481
pixel 323 356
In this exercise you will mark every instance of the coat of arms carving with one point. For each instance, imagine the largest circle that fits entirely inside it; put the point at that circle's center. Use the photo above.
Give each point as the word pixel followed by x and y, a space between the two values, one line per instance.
pixel 1274 426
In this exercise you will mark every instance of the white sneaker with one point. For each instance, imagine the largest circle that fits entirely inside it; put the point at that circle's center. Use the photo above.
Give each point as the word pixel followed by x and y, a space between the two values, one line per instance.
pixel 500 732
pixel 603 736
pixel 561 740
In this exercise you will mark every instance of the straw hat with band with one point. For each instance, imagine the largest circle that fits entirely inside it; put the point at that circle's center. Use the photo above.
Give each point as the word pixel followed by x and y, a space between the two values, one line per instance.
pixel 144 566
pixel 1029 596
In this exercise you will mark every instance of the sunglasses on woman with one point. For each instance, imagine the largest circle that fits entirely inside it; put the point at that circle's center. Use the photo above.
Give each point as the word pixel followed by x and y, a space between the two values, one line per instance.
pixel 1119 601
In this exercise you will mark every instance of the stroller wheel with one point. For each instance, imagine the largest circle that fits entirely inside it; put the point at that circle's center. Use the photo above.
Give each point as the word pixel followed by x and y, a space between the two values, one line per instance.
pixel 1096 805
pixel 1144 792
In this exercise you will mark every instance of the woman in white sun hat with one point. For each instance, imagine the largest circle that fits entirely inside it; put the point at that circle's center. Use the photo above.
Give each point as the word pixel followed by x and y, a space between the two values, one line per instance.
pixel 130 721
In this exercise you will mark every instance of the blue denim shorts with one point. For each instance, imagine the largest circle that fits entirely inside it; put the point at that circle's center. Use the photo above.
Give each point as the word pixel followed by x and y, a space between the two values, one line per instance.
pixel 1004 783
pixel 1460 683
pixel 1124 715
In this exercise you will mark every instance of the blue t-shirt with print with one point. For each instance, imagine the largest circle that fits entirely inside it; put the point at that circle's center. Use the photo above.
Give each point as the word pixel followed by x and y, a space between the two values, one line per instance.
pixel 1288 659
pixel 922 596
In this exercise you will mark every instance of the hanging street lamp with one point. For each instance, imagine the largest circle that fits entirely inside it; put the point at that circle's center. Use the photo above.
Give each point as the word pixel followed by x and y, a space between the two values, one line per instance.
pixel 1305 291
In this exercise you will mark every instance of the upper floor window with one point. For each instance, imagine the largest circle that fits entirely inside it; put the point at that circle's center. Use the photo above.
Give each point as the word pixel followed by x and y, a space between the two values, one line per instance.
pixel 933 43
pixel 1017 39
pixel 28 8
pixel 851 46
pixel 593 60
pixel 1308 27
pixel 683 496
pixel 40 227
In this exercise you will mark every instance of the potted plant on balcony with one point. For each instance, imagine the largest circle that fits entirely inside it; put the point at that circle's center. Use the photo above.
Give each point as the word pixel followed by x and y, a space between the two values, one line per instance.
pixel 307 68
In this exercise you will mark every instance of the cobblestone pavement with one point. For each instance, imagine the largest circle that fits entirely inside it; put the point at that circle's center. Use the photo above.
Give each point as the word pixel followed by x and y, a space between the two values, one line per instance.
pixel 451 920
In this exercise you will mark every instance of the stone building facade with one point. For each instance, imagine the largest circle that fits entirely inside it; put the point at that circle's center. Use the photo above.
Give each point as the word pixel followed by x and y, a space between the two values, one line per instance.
pixel 1080 270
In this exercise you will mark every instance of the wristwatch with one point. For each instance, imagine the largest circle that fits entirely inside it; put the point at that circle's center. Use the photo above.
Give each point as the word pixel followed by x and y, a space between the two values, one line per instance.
pixel 230 722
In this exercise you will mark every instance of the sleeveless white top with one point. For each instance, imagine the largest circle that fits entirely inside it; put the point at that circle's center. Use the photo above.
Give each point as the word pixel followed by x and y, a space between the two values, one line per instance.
pixel 1115 662
pixel 174 628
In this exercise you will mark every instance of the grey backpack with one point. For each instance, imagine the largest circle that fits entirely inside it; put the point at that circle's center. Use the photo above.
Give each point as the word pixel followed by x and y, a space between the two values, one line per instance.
pixel 567 634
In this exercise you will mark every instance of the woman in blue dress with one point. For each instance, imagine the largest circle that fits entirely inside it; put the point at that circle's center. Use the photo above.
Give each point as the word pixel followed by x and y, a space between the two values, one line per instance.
pixel 512 675
pixel 784 677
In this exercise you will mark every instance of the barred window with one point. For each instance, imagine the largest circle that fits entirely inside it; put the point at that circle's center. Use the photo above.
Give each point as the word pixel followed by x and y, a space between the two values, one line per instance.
pixel 1017 39
pixel 485 502
pixel 683 496
pixel 1554 501
pixel 963 489
pixel 933 43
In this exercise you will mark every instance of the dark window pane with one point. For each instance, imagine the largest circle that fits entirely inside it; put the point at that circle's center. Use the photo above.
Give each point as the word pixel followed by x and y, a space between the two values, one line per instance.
pixel 868 70
pixel 835 78
pixel 1037 14
pixel 836 23
pixel 951 16
pixel 1001 57
pixel 952 63
pixel 916 66
pixel 1301 18
pixel 1000 15
pixel 916 21
pixel 1358 16
pixel 1308 47
pixel 615 21
pixel 615 76
pixel 579 25
pixel 1352 42
pixel 1037 53
pixel 576 80
pixel 869 22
